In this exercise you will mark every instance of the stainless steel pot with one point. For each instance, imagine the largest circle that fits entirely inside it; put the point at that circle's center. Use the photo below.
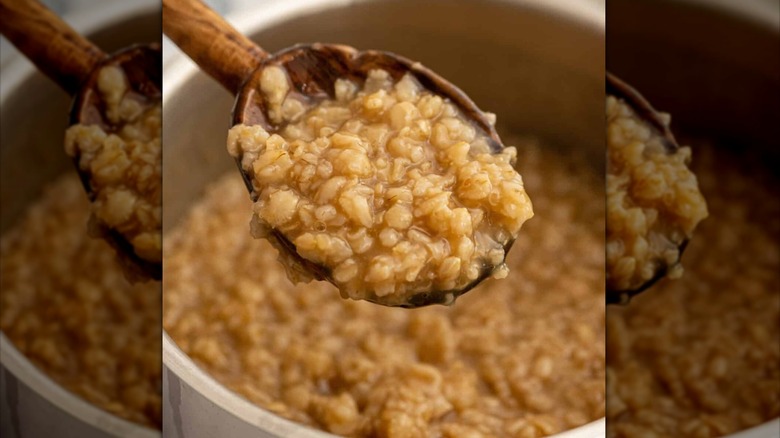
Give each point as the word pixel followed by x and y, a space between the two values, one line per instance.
pixel 538 64
pixel 34 118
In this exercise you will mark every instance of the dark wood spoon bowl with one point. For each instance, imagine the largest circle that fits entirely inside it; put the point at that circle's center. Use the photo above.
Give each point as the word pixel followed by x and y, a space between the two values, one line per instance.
pixel 73 62
pixel 237 63
pixel 645 111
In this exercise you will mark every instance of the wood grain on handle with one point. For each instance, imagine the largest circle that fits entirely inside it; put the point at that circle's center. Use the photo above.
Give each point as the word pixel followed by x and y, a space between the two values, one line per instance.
pixel 53 46
pixel 219 49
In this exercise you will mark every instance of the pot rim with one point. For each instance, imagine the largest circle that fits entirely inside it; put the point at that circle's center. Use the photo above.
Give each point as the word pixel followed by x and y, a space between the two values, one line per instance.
pixel 179 69
pixel 43 385
pixel 16 70
pixel 759 12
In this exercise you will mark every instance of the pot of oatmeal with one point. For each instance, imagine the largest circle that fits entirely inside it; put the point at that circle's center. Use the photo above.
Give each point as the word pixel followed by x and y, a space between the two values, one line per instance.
pixel 699 356
pixel 57 372
pixel 248 353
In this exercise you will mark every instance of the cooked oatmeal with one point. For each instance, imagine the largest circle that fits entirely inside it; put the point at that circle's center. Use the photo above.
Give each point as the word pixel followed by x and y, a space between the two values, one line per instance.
pixel 700 357
pixel 653 201
pixel 387 186
pixel 521 357
pixel 67 306
pixel 124 166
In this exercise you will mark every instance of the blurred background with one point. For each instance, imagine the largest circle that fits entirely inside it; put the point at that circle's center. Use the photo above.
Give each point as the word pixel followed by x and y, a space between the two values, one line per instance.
pixel 700 356
pixel 79 345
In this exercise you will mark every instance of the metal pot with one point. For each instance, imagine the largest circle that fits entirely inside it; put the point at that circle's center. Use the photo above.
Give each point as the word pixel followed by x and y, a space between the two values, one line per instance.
pixel 34 119
pixel 543 61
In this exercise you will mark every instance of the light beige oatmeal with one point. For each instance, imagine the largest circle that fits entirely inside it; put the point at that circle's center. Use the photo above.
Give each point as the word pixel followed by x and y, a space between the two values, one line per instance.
pixel 653 201
pixel 388 186
pixel 66 305
pixel 125 166
pixel 700 357
pixel 521 357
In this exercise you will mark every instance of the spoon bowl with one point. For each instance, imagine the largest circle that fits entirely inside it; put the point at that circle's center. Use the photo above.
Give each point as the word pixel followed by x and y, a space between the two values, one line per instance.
pixel 143 70
pixel 645 111
pixel 237 63
pixel 313 70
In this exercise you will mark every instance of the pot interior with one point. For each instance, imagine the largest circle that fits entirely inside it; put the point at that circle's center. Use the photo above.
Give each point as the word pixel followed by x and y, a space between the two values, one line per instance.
pixel 34 117
pixel 715 68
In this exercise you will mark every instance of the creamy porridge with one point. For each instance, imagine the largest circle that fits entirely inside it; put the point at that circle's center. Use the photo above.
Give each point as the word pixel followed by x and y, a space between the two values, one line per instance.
pixel 387 186
pixel 124 166
pixel 521 357
pixel 700 356
pixel 67 306
pixel 653 201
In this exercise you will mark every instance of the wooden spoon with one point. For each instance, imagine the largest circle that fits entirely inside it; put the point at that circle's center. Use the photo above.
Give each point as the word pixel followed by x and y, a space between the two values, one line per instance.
pixel 237 63
pixel 73 63
pixel 625 92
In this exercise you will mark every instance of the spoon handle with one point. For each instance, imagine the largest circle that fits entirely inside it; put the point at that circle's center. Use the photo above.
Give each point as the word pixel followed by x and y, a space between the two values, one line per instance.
pixel 219 49
pixel 54 47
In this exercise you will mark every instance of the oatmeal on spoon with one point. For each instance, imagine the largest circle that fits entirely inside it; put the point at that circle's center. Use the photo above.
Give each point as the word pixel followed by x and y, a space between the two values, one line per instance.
pixel 366 169
pixel 653 199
